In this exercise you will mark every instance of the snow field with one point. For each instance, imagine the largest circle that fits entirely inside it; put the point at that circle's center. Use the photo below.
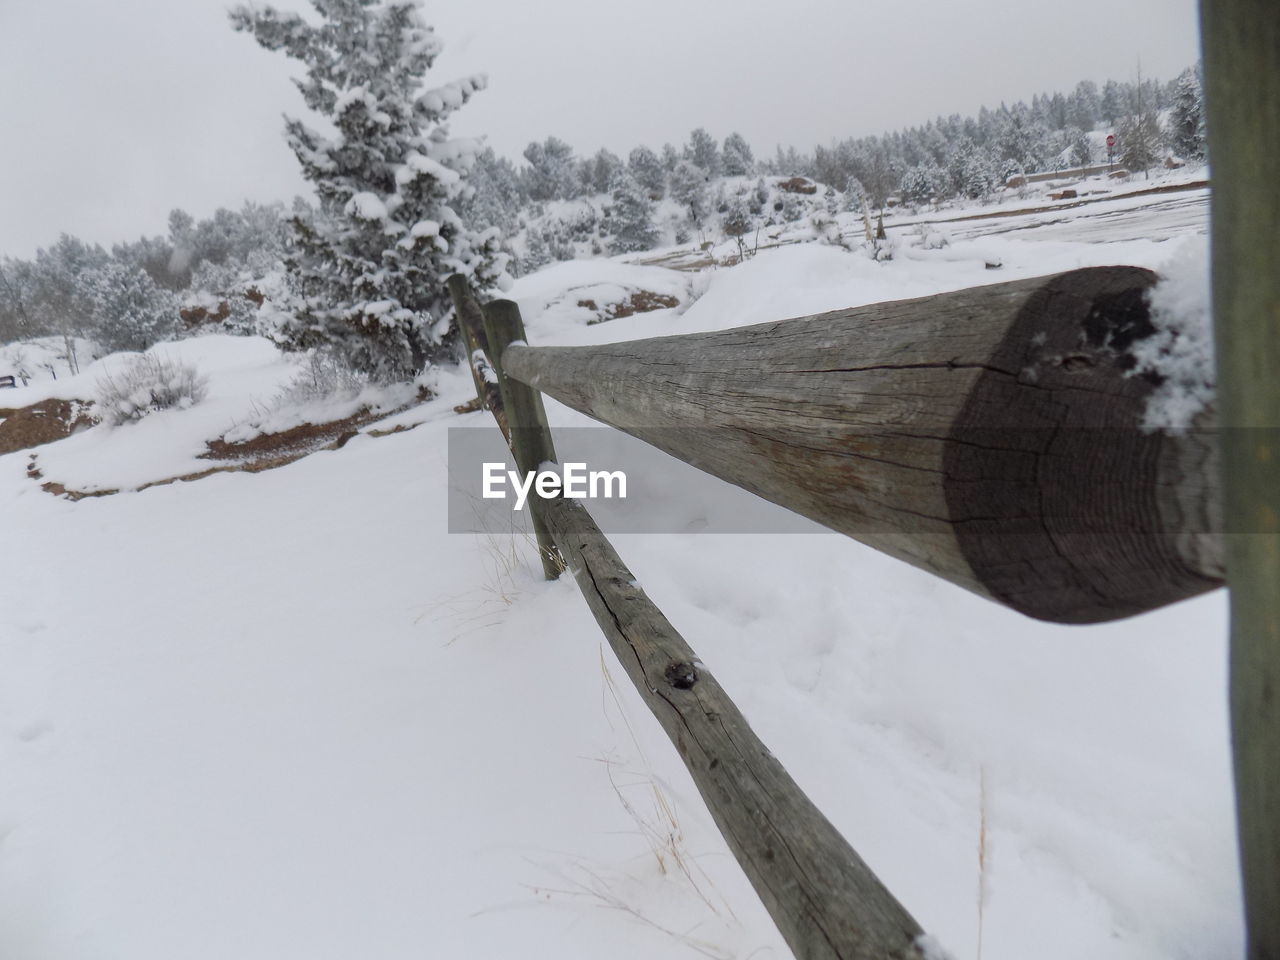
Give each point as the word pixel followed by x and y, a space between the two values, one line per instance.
pixel 286 715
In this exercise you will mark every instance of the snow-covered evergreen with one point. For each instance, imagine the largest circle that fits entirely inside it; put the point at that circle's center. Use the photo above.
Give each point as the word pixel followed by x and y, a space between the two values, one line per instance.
pixel 1186 119
pixel 704 152
pixel 738 159
pixel 368 265
pixel 631 215
pixel 128 310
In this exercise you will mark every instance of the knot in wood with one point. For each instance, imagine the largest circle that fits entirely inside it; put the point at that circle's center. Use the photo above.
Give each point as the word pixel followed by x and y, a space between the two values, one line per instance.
pixel 681 675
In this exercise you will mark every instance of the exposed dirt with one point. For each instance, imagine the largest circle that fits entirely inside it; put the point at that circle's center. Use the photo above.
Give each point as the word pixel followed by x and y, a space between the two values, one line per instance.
pixel 642 301
pixel 798 185
pixel 267 451
pixel 42 422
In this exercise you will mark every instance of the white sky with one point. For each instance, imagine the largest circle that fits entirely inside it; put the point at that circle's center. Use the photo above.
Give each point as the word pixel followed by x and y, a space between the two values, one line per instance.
pixel 114 111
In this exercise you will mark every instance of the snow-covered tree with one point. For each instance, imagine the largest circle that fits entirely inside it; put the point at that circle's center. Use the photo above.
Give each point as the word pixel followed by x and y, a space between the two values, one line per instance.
pixel 1139 133
pixel 368 266
pixel 703 151
pixel 647 168
pixel 1139 139
pixel 129 310
pixel 630 215
pixel 552 172
pixel 1111 106
pixel 496 194
pixel 1082 106
pixel 602 168
pixel 738 160
pixel 689 188
pixel 670 157
pixel 1079 148
pixel 1186 120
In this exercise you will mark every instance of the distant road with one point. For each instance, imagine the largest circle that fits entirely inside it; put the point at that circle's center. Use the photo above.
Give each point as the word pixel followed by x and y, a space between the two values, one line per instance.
pixel 1171 212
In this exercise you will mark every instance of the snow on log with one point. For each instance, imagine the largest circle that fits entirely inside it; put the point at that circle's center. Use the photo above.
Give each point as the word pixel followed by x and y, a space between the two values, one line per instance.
pixel 992 436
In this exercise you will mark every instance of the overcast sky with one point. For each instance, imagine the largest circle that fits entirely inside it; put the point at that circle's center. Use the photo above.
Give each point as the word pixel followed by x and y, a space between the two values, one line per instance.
pixel 116 111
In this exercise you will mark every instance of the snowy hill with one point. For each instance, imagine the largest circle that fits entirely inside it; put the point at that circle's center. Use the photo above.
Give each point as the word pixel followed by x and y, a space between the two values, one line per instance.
pixel 286 714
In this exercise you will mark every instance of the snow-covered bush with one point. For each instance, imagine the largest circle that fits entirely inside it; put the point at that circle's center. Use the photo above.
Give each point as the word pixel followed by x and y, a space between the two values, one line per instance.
pixel 325 375
pixel 146 384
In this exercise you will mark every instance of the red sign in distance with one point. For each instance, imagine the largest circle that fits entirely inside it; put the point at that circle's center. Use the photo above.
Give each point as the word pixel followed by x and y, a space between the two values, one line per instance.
pixel 1111 139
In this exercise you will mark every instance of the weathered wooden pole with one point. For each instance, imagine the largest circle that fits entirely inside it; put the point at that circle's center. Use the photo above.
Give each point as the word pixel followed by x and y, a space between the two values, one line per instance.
pixel 470 319
pixel 1242 78
pixel 991 436
pixel 826 902
pixel 529 436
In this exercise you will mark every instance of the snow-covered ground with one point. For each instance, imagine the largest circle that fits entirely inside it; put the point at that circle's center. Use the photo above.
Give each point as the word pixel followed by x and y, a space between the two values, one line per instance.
pixel 286 715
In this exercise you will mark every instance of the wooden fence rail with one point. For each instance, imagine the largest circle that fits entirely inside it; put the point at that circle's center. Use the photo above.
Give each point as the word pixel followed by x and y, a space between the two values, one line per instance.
pixel 991 436
pixel 825 901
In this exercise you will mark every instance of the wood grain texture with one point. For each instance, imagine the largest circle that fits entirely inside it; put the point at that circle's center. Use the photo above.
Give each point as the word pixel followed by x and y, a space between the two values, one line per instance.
pixel 1242 79
pixel 990 435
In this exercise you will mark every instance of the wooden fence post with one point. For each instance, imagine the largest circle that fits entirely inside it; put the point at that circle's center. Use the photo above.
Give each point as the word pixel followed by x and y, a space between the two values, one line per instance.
pixel 1242 78
pixel 530 437
pixel 826 902
pixel 470 319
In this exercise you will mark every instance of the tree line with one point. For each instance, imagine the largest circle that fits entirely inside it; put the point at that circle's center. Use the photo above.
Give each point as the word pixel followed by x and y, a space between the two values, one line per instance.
pixel 399 205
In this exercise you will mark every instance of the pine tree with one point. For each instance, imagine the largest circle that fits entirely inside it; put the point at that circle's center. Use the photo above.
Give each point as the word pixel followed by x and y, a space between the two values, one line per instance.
pixel 644 165
pixel 1112 103
pixel 1139 131
pixel 631 215
pixel 603 167
pixel 128 310
pixel 1186 122
pixel 689 188
pixel 496 197
pixel 552 173
pixel 738 161
pixel 704 152
pixel 368 266
pixel 670 157
pixel 1082 108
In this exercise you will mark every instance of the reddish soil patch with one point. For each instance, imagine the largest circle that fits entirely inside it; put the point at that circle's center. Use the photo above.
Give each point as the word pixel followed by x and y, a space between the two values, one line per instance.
pixel 42 422
pixel 264 452
pixel 642 301
pixel 268 450
pixel 798 185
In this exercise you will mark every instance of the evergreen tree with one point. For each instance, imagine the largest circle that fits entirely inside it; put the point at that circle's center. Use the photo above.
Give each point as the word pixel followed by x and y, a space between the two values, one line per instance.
pixel 552 172
pixel 603 167
pixel 738 161
pixel 497 197
pixel 644 165
pixel 704 152
pixel 631 215
pixel 1112 104
pixel 1139 131
pixel 689 188
pixel 368 267
pixel 670 157
pixel 1186 121
pixel 1083 106
pixel 129 311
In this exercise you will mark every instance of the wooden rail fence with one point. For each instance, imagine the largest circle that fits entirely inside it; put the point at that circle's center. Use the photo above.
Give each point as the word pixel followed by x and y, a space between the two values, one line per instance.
pixel 991 436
